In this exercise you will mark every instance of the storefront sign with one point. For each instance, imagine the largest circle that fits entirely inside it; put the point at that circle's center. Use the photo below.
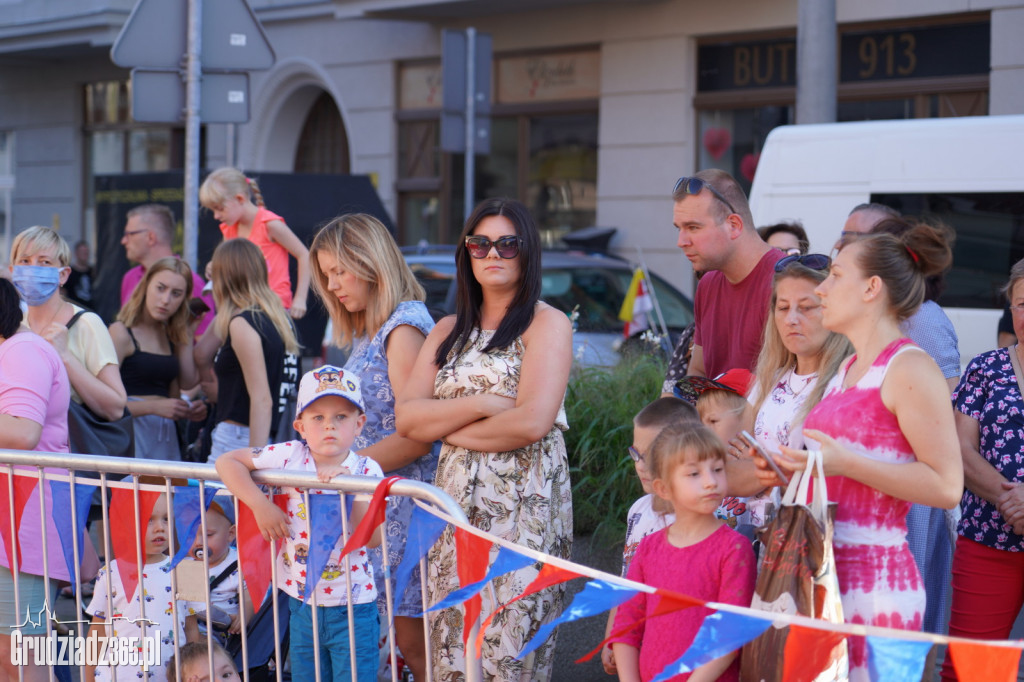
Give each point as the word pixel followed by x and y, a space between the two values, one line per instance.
pixel 551 77
pixel 923 52
pixel 419 86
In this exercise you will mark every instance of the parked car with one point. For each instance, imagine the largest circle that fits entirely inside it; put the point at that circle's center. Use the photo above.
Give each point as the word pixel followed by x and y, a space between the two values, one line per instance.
pixel 594 286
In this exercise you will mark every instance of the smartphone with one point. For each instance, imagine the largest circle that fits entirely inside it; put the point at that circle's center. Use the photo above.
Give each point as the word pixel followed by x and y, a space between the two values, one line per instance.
pixel 752 442
pixel 197 306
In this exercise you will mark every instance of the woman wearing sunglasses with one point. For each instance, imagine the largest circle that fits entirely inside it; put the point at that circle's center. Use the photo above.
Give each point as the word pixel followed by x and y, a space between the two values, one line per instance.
pixel 885 428
pixel 798 359
pixel 377 313
pixel 489 382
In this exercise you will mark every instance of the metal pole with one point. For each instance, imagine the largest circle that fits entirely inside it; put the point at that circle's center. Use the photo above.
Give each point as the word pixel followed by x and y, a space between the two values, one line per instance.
pixel 816 61
pixel 470 119
pixel 193 75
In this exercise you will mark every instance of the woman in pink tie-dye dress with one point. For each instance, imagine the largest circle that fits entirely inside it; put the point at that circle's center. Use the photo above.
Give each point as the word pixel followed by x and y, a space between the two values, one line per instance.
pixel 885 428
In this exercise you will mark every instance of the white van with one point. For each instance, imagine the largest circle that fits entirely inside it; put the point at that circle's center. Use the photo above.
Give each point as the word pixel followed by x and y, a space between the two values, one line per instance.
pixel 967 171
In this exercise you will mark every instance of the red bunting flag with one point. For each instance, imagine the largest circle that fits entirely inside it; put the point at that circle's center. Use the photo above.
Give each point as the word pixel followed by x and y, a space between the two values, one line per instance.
pixel 549 575
pixel 807 653
pixel 984 662
pixel 472 553
pixel 254 557
pixel 375 514
pixel 23 487
pixel 126 538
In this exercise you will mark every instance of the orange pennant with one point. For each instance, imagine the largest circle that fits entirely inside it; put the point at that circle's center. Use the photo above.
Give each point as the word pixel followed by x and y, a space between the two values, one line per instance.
pixel 547 576
pixel 472 553
pixel 23 487
pixel 808 652
pixel 126 539
pixel 254 559
pixel 668 602
pixel 984 662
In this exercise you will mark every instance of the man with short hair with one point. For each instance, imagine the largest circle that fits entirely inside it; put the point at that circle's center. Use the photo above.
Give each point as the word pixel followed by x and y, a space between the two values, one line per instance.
pixel 147 238
pixel 717 234
pixel 864 217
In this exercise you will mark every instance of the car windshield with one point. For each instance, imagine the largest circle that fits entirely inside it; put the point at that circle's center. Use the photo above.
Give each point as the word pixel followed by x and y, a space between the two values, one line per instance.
pixel 595 291
pixel 597 294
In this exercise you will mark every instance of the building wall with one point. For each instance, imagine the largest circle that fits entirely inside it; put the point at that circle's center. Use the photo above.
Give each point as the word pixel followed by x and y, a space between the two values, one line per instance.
pixel 647 135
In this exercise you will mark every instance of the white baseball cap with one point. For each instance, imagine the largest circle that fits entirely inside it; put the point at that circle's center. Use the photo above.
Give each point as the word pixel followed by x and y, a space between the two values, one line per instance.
pixel 328 380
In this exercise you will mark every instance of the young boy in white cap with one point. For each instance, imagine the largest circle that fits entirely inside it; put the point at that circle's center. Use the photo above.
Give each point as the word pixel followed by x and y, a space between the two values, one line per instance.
pixel 329 416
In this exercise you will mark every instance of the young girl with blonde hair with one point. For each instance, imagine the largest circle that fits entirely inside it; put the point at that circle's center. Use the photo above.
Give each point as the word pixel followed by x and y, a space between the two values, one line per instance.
pixel 153 336
pixel 253 332
pixel 236 201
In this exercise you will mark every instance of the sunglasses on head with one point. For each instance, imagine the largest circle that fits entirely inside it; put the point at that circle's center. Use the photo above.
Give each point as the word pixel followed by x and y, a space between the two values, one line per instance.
pixel 695 185
pixel 813 261
pixel 506 246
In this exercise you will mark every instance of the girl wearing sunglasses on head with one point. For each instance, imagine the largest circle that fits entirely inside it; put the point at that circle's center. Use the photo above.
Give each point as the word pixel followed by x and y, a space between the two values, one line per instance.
pixel 489 382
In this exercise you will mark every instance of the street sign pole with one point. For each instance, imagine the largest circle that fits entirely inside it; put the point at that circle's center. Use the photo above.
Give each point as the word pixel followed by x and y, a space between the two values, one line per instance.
pixel 192 102
pixel 470 120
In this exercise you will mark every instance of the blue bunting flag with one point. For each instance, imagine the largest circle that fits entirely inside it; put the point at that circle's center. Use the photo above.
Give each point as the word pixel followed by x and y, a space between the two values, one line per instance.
pixel 720 633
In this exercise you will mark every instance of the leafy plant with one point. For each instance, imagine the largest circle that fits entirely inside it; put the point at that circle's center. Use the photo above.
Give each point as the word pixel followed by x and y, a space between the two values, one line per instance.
pixel 600 405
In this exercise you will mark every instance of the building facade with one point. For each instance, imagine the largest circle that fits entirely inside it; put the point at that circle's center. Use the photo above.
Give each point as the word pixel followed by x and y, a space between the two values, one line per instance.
pixel 598 105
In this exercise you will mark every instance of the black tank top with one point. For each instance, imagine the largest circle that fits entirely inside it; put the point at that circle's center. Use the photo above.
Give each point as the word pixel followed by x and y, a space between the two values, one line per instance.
pixel 148 373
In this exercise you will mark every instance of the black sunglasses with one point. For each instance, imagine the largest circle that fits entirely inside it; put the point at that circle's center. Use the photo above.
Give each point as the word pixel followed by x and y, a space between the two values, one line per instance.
pixel 695 185
pixel 814 261
pixel 507 246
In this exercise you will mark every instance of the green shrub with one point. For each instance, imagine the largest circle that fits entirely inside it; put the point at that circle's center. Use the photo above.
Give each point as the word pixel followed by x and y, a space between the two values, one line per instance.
pixel 600 405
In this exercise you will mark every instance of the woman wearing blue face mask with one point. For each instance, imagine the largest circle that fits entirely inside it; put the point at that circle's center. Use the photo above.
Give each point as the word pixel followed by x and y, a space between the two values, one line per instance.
pixel 40 264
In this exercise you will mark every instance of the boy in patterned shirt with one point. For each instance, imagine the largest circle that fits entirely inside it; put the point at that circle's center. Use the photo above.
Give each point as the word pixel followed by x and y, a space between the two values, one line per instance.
pixel 329 416
pixel 149 613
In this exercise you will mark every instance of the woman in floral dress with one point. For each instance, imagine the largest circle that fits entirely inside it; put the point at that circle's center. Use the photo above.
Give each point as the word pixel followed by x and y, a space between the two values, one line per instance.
pixel 376 307
pixel 490 382
pixel 885 428
pixel 988 561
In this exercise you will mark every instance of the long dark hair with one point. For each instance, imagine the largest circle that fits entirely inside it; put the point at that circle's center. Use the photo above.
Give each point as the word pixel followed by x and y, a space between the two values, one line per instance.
pixel 468 294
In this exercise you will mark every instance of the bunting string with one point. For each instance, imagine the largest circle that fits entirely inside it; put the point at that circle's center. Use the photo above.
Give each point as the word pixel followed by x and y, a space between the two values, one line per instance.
pixel 777 619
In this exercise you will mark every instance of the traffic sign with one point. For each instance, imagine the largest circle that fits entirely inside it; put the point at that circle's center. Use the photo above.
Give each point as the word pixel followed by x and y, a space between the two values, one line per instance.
pixel 154 37
pixel 159 97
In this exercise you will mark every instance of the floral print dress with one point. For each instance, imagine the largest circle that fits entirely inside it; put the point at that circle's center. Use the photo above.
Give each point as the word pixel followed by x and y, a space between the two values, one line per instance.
pixel 522 496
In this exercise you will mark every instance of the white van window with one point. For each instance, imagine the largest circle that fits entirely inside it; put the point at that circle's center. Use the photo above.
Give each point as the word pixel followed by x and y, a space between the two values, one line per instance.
pixel 989 230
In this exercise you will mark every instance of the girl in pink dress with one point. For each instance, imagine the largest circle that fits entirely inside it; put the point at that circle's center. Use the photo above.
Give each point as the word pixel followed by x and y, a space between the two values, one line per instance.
pixel 885 428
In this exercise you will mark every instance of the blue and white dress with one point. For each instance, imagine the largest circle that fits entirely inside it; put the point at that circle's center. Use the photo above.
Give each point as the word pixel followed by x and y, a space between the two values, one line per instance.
pixel 370 361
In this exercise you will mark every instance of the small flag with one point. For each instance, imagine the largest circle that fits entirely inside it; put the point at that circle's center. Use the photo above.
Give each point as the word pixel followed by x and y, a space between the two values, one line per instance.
pixel 983 662
pixel 325 529
pixel 637 305
pixel 127 539
pixel 892 660
pixel 61 492
pixel 187 519
pixel 424 530
pixel 720 633
pixel 508 560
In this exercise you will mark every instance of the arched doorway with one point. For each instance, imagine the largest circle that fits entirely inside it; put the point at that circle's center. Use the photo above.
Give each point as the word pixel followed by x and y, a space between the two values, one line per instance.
pixel 323 145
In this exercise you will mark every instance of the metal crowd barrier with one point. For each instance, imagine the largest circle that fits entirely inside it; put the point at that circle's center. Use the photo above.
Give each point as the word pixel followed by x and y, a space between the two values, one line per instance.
pixel 110 473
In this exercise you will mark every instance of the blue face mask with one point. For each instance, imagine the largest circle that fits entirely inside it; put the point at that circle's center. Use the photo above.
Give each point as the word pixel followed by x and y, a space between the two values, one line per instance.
pixel 36 283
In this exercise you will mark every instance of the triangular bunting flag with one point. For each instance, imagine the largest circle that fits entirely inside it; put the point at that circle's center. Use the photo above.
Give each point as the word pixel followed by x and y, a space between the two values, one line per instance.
pixel 254 557
pixel 325 526
pixel 720 633
pixel 807 652
pixel 424 530
pixel 508 560
pixel 187 519
pixel 983 662
pixel 547 576
pixel 895 660
pixel 667 602
pixel 126 538
pixel 597 596
pixel 375 514
pixel 23 487
pixel 60 491
pixel 471 553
